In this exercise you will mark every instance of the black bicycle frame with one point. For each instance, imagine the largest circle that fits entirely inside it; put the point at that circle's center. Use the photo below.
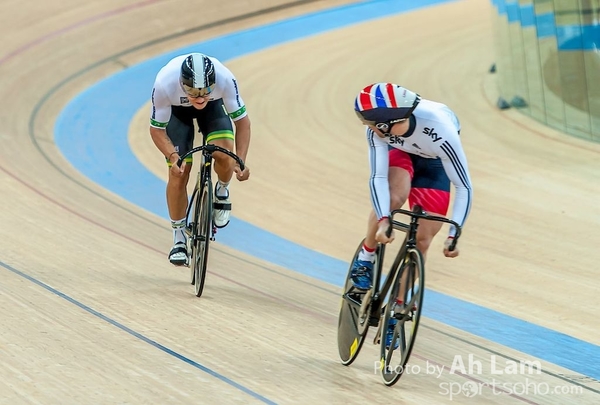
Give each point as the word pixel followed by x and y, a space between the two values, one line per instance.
pixel 410 242
pixel 207 151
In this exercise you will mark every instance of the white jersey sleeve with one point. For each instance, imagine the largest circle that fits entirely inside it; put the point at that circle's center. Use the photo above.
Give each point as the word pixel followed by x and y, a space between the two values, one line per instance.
pixel 455 164
pixel 379 183
pixel 231 95
pixel 161 107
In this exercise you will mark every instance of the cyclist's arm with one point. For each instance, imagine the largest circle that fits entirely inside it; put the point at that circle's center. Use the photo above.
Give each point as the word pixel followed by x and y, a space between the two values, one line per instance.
pixel 379 183
pixel 242 137
pixel 237 112
pixel 456 167
pixel 231 96
pixel 161 113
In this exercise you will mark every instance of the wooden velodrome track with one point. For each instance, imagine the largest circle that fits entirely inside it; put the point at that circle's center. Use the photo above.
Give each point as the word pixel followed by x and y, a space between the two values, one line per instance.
pixel 92 313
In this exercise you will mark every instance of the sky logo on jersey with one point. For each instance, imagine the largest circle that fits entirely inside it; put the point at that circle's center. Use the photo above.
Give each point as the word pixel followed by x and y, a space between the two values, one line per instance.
pixel 432 134
pixel 396 140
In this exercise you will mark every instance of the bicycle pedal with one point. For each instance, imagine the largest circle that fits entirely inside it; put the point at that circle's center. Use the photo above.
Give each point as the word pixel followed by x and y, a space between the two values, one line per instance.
pixel 404 313
pixel 356 291
pixel 186 264
pixel 403 317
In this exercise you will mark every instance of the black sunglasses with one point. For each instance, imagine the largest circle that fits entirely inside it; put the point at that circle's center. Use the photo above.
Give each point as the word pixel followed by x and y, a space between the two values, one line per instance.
pixel 386 126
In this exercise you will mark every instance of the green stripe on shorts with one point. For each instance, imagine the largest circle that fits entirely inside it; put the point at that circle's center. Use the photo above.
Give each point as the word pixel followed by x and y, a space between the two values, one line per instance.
pixel 219 135
pixel 188 159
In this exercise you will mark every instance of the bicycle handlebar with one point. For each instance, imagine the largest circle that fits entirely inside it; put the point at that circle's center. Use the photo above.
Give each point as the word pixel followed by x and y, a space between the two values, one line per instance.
pixel 212 149
pixel 417 212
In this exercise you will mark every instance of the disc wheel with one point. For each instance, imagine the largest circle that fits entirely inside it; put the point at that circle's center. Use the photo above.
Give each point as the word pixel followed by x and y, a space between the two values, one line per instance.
pixel 353 320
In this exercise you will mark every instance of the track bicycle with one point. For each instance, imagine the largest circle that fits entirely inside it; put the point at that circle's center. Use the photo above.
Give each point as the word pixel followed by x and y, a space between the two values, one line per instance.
pixel 375 307
pixel 200 228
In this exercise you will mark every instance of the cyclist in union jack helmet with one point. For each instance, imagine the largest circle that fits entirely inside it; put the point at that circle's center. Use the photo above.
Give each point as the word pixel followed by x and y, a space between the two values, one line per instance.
pixel 415 153
pixel 197 87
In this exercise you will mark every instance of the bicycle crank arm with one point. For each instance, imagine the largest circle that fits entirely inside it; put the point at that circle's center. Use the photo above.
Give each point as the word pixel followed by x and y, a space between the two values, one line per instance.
pixel 365 304
pixel 377 337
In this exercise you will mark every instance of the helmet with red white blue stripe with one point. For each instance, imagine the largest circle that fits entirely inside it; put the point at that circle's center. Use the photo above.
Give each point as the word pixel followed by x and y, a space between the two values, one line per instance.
pixel 384 103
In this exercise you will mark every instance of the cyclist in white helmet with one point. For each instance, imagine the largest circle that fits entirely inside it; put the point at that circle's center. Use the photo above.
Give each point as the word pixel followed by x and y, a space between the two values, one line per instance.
pixel 200 87
pixel 415 152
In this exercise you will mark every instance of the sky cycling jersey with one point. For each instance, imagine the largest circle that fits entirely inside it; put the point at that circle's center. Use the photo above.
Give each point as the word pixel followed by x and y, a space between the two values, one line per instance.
pixel 433 133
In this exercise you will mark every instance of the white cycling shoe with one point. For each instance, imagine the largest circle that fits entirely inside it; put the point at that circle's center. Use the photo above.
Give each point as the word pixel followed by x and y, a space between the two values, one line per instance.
pixel 221 210
pixel 178 255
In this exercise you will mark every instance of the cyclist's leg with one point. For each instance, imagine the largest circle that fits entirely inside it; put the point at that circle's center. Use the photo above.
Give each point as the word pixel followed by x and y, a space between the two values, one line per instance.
pixel 399 177
pixel 216 126
pixel 431 190
pixel 180 131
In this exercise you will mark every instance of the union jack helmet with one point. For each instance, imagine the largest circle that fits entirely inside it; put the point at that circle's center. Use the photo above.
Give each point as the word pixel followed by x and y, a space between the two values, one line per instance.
pixel 385 102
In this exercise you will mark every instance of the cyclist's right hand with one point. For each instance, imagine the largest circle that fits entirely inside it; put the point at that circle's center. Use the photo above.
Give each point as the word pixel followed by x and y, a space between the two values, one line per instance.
pixel 382 229
pixel 447 251
pixel 176 171
pixel 241 175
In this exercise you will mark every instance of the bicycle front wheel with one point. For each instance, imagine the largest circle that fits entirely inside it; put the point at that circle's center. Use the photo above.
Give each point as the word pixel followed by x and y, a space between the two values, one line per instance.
pixel 401 320
pixel 193 228
pixel 201 241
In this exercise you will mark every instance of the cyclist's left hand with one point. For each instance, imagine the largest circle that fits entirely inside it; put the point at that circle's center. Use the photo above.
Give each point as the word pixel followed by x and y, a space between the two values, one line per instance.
pixel 242 175
pixel 447 251
pixel 381 234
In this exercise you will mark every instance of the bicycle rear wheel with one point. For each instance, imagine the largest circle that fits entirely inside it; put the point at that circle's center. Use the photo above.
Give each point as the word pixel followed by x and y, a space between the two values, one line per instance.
pixel 394 357
pixel 353 320
pixel 203 214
